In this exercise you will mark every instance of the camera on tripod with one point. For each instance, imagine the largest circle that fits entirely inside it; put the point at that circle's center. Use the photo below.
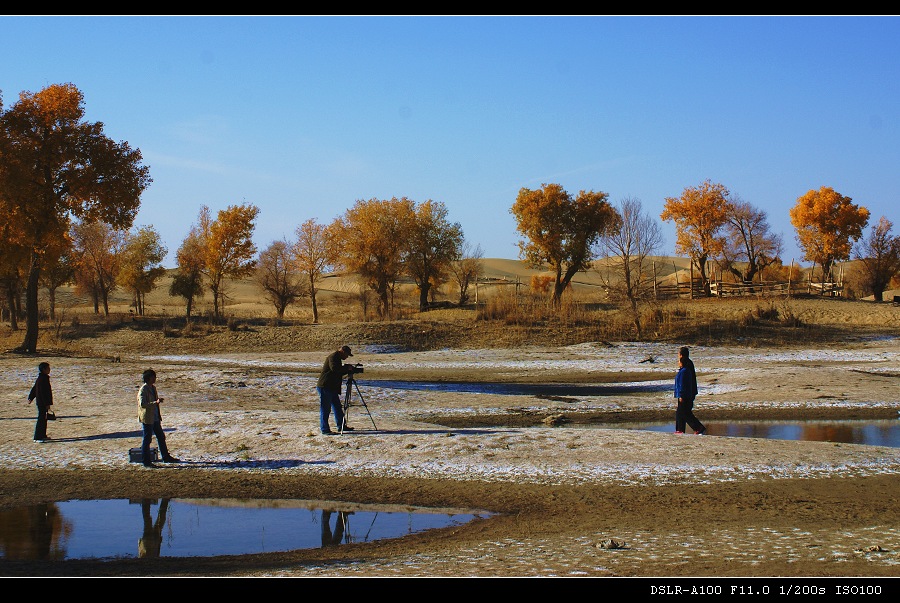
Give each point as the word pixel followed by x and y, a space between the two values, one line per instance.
pixel 356 368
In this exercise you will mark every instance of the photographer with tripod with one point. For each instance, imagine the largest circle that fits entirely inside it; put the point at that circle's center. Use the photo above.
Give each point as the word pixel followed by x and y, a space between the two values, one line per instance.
pixel 329 388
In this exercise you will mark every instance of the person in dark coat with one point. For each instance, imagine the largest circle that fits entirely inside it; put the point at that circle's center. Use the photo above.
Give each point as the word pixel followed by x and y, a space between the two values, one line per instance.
pixel 685 392
pixel 42 395
pixel 329 389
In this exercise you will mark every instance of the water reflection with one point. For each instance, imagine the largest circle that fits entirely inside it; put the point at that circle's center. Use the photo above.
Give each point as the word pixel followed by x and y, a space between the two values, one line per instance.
pixel 884 432
pixel 38 532
pixel 528 389
pixel 150 543
pixel 82 529
pixel 329 537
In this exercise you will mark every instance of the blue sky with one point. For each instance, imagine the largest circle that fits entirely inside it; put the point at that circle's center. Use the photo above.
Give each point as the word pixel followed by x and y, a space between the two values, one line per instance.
pixel 304 115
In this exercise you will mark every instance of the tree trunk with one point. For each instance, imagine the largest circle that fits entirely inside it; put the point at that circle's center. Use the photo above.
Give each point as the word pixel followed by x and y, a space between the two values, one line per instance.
pixel 31 306
pixel 315 308
pixel 52 291
pixel 385 304
pixel 423 296
pixel 11 302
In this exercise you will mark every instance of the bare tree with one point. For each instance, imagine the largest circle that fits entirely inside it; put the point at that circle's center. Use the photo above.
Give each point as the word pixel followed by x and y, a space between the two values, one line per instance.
pixel 879 254
pixel 467 269
pixel 750 247
pixel 628 251
pixel 277 276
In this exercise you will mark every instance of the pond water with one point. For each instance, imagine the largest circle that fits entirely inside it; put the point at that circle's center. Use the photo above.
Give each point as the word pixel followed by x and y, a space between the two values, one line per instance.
pixel 528 389
pixel 881 432
pixel 885 432
pixel 121 528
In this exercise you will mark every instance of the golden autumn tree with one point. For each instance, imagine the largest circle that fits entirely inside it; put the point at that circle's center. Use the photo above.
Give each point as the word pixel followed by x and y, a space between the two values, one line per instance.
pixel 15 254
pixel 99 251
pixel 313 254
pixel 187 282
pixel 433 244
pixel 561 231
pixel 141 264
pixel 58 271
pixel 54 166
pixel 827 225
pixel 879 255
pixel 228 248
pixel 699 215
pixel 372 239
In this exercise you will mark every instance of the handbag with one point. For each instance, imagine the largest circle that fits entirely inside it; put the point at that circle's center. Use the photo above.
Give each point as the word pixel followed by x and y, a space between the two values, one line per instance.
pixel 51 416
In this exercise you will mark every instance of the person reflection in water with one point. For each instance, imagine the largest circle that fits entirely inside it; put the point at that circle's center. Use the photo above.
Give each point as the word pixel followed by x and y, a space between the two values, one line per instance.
pixel 150 543
pixel 330 538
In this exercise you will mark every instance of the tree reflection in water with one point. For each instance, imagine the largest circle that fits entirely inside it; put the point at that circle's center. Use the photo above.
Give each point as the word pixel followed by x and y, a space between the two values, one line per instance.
pixel 37 532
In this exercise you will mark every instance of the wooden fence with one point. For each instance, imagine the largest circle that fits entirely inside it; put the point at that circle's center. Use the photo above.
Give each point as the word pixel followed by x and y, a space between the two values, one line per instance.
pixel 695 289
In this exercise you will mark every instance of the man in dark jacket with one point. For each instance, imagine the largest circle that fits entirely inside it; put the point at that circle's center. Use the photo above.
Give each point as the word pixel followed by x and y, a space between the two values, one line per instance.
pixel 42 395
pixel 329 388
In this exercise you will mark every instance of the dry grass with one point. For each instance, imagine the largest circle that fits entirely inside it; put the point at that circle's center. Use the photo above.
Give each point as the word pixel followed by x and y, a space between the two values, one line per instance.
pixel 508 314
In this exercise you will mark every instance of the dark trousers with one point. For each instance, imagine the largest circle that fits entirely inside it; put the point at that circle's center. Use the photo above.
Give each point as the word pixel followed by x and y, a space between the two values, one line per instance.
pixel 684 415
pixel 151 429
pixel 40 428
pixel 330 400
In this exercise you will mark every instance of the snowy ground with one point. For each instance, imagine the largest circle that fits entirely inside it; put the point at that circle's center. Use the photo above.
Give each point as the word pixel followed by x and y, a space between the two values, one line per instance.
pixel 259 412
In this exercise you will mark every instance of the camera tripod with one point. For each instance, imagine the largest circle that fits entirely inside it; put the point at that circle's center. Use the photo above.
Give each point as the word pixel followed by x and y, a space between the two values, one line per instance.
pixel 351 383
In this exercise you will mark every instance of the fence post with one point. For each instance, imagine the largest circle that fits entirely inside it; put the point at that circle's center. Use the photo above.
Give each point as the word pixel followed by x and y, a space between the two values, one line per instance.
pixel 790 274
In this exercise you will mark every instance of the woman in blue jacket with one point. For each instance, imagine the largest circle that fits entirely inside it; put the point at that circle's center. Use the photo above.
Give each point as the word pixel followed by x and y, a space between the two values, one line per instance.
pixel 685 392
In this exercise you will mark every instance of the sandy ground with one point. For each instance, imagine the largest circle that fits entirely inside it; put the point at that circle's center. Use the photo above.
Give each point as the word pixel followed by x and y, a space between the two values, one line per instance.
pixel 570 501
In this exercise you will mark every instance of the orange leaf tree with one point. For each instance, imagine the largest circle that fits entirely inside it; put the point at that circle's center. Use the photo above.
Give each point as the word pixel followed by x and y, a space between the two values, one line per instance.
pixel 141 264
pixel 15 253
pixel 371 240
pixel 187 281
pixel 55 166
pixel 433 244
pixel 314 255
pixel 561 231
pixel 827 225
pixel 699 215
pixel 58 269
pixel 99 254
pixel 228 248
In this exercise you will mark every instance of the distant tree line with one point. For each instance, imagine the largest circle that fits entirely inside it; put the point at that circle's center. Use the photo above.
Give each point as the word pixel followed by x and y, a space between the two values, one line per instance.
pixel 69 196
